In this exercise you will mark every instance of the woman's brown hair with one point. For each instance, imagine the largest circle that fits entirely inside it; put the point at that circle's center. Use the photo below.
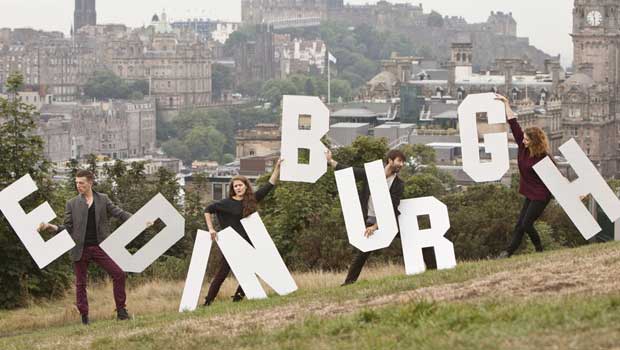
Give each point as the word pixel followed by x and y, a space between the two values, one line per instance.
pixel 539 144
pixel 249 199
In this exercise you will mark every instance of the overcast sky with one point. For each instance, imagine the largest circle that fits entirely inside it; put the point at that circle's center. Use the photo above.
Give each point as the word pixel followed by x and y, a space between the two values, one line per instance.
pixel 546 22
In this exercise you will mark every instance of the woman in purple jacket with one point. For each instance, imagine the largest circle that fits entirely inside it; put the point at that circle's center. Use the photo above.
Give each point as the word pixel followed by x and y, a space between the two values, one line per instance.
pixel 533 147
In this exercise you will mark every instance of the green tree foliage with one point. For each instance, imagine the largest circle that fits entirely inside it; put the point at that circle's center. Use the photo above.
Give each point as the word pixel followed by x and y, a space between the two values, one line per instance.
pixel 299 84
pixel 482 219
pixel 273 90
pixel 106 85
pixel 357 49
pixel 131 188
pixel 221 79
pixel 21 153
pixel 210 135
pixel 306 221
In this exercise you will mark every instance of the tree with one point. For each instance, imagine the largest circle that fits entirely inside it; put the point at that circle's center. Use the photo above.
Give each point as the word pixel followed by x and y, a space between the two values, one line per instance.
pixel 341 89
pixel 363 150
pixel 177 149
pixel 273 90
pixel 211 135
pixel 205 143
pixel 222 79
pixel 417 157
pixel 21 153
pixel 106 85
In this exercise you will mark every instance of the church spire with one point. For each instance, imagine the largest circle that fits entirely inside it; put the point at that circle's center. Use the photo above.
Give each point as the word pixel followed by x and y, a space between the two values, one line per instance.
pixel 84 14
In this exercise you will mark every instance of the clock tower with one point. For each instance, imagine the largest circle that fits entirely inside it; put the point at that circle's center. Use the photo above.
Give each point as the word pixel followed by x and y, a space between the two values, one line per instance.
pixel 596 33
pixel 590 97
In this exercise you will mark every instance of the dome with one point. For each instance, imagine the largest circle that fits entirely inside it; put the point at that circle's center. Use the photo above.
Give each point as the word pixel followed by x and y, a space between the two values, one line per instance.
pixel 580 79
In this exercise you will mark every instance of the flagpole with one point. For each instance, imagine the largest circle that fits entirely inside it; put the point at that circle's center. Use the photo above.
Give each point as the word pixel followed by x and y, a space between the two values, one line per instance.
pixel 329 82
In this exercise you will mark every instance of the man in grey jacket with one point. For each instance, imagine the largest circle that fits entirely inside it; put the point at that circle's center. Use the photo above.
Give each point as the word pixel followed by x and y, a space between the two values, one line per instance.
pixel 86 220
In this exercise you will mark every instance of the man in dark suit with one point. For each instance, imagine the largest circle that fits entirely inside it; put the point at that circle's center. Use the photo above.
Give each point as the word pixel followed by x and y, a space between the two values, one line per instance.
pixel 395 160
pixel 86 220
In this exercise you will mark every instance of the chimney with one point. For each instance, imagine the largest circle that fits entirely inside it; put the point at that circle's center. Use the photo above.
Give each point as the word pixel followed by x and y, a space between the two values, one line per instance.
pixel 508 79
pixel 451 78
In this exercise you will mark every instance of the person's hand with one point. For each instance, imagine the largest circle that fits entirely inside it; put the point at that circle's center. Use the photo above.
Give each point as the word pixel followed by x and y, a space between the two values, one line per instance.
pixel 330 159
pixel 370 231
pixel 213 235
pixel 509 113
pixel 279 163
pixel 328 155
pixel 44 227
pixel 501 98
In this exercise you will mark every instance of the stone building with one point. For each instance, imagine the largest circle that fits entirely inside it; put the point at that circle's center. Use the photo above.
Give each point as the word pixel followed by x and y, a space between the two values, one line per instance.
pixel 266 11
pixel 494 38
pixel 514 78
pixel 207 29
pixel 386 85
pixel 299 56
pixel 548 118
pixel 383 14
pixel 48 62
pixel 255 60
pixel 175 62
pixel 263 140
pixel 502 24
pixel 119 129
pixel 590 97
pixel 176 65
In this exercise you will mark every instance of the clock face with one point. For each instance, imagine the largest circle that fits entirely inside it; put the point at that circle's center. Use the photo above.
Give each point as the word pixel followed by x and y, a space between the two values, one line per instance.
pixel 594 18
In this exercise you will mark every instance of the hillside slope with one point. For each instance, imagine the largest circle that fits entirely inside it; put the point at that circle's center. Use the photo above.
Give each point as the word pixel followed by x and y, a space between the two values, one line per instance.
pixel 566 299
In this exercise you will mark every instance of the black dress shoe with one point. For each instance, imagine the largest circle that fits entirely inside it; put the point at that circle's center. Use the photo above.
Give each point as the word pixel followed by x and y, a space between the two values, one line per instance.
pixel 122 314
pixel 237 298
pixel 85 320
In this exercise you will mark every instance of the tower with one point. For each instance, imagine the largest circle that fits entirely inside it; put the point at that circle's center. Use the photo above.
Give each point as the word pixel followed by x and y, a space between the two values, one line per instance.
pixel 84 14
pixel 596 33
pixel 590 97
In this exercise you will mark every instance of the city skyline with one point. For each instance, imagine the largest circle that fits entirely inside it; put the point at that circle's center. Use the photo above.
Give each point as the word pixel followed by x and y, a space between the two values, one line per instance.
pixel 58 15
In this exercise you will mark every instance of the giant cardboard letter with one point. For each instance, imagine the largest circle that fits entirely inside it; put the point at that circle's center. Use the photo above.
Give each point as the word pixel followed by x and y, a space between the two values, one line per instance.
pixel 494 143
pixel 156 208
pixel 352 211
pixel 568 194
pixel 196 272
pixel 294 139
pixel 262 259
pixel 414 239
pixel 25 225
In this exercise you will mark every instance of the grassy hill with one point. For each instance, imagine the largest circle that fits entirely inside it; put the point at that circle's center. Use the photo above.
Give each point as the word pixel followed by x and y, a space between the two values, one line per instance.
pixel 565 299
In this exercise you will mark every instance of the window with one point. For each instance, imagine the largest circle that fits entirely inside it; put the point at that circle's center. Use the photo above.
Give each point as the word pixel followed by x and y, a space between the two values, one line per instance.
pixel 217 191
pixel 305 122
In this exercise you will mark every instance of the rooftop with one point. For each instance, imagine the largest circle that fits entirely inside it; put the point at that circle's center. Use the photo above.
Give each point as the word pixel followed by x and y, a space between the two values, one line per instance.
pixel 355 112
pixel 348 125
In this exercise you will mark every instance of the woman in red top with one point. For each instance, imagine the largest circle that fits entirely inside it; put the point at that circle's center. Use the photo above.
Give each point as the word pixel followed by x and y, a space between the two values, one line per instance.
pixel 533 147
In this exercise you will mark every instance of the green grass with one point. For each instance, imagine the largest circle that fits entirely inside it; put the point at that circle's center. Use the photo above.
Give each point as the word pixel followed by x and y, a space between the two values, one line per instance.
pixel 478 305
